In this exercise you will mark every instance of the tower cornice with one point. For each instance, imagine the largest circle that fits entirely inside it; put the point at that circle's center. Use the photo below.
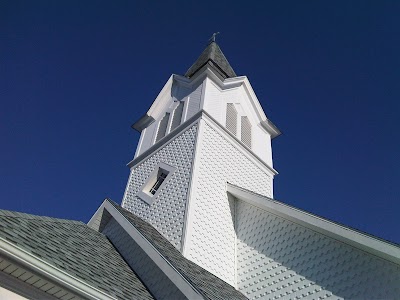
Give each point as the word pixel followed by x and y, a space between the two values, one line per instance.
pixel 194 119
pixel 223 84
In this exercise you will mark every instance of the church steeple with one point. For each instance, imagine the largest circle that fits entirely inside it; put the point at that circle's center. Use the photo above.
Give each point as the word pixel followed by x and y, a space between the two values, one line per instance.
pixel 201 133
pixel 213 56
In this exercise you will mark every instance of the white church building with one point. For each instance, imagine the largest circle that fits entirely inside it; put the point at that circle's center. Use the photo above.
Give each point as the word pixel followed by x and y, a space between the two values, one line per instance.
pixel 198 219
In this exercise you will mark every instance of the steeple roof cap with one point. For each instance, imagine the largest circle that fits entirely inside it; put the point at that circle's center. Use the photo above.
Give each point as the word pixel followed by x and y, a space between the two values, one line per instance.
pixel 213 56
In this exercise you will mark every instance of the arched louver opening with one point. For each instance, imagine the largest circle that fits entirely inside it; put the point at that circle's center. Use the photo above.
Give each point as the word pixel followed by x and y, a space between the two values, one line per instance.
pixel 176 119
pixel 162 128
pixel 231 118
pixel 246 131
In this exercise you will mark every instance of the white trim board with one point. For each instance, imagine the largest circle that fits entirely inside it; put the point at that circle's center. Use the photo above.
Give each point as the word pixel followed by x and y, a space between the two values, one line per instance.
pixel 344 234
pixel 193 120
pixel 162 263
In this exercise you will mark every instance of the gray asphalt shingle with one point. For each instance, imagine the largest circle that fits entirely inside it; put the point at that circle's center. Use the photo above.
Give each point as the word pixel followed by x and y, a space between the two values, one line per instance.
pixel 210 286
pixel 76 249
pixel 213 55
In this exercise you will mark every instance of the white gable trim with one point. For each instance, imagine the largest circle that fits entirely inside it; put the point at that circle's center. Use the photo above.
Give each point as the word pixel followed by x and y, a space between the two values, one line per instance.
pixel 207 72
pixel 156 108
pixel 216 125
pixel 344 234
pixel 230 83
pixel 165 266
pixel 158 145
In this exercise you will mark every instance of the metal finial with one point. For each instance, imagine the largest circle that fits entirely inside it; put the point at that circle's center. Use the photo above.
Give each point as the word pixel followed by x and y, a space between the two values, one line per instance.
pixel 212 39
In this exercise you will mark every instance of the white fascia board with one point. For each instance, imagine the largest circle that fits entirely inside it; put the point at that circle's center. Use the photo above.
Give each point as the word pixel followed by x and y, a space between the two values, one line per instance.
pixel 95 220
pixel 333 230
pixel 143 122
pixel 230 83
pixel 177 131
pixel 50 272
pixel 265 123
pixel 207 72
pixel 165 266
pixel 270 128
pixel 156 108
pixel 188 82
pixel 234 82
pixel 254 100
pixel 194 119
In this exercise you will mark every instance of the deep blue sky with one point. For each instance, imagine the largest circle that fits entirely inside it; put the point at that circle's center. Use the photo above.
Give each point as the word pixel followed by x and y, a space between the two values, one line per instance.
pixel 74 75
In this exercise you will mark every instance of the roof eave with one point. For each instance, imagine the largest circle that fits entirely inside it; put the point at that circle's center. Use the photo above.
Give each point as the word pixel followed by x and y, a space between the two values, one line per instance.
pixel 38 266
pixel 143 122
pixel 271 128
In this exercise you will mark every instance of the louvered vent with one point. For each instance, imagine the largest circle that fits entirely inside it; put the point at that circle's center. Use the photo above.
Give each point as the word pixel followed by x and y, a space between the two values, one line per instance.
pixel 176 119
pixel 246 131
pixel 162 128
pixel 231 118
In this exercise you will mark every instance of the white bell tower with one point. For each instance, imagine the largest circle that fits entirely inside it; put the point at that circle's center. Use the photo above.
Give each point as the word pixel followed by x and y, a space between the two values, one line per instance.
pixel 205 130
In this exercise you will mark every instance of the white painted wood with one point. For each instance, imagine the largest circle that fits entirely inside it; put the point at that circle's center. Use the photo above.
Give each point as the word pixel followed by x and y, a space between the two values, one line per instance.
pixel 165 210
pixel 280 247
pixel 211 234
pixel 8 295
pixel 194 104
pixel 162 263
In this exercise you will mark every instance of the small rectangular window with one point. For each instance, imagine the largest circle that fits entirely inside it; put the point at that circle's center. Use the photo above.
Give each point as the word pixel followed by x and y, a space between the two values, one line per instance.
pixel 156 182
pixel 160 179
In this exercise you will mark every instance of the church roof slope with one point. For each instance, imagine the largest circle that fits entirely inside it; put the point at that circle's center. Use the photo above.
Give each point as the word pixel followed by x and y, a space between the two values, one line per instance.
pixel 214 56
pixel 210 286
pixel 76 249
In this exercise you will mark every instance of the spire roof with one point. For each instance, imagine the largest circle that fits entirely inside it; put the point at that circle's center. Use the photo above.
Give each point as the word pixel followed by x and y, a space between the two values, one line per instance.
pixel 212 55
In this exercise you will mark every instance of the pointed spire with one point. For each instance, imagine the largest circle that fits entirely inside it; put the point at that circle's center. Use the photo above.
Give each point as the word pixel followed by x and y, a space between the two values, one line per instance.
pixel 212 55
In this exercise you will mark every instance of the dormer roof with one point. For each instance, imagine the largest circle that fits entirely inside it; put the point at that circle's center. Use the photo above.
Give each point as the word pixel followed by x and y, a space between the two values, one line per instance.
pixel 213 56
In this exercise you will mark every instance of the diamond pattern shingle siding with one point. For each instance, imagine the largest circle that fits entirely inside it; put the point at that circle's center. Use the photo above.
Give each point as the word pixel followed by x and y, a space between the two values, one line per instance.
pixel 279 259
pixel 212 240
pixel 168 209
pixel 76 249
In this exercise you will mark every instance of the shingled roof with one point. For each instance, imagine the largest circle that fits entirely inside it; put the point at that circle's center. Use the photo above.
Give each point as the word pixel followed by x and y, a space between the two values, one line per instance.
pixel 76 249
pixel 212 55
pixel 209 285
